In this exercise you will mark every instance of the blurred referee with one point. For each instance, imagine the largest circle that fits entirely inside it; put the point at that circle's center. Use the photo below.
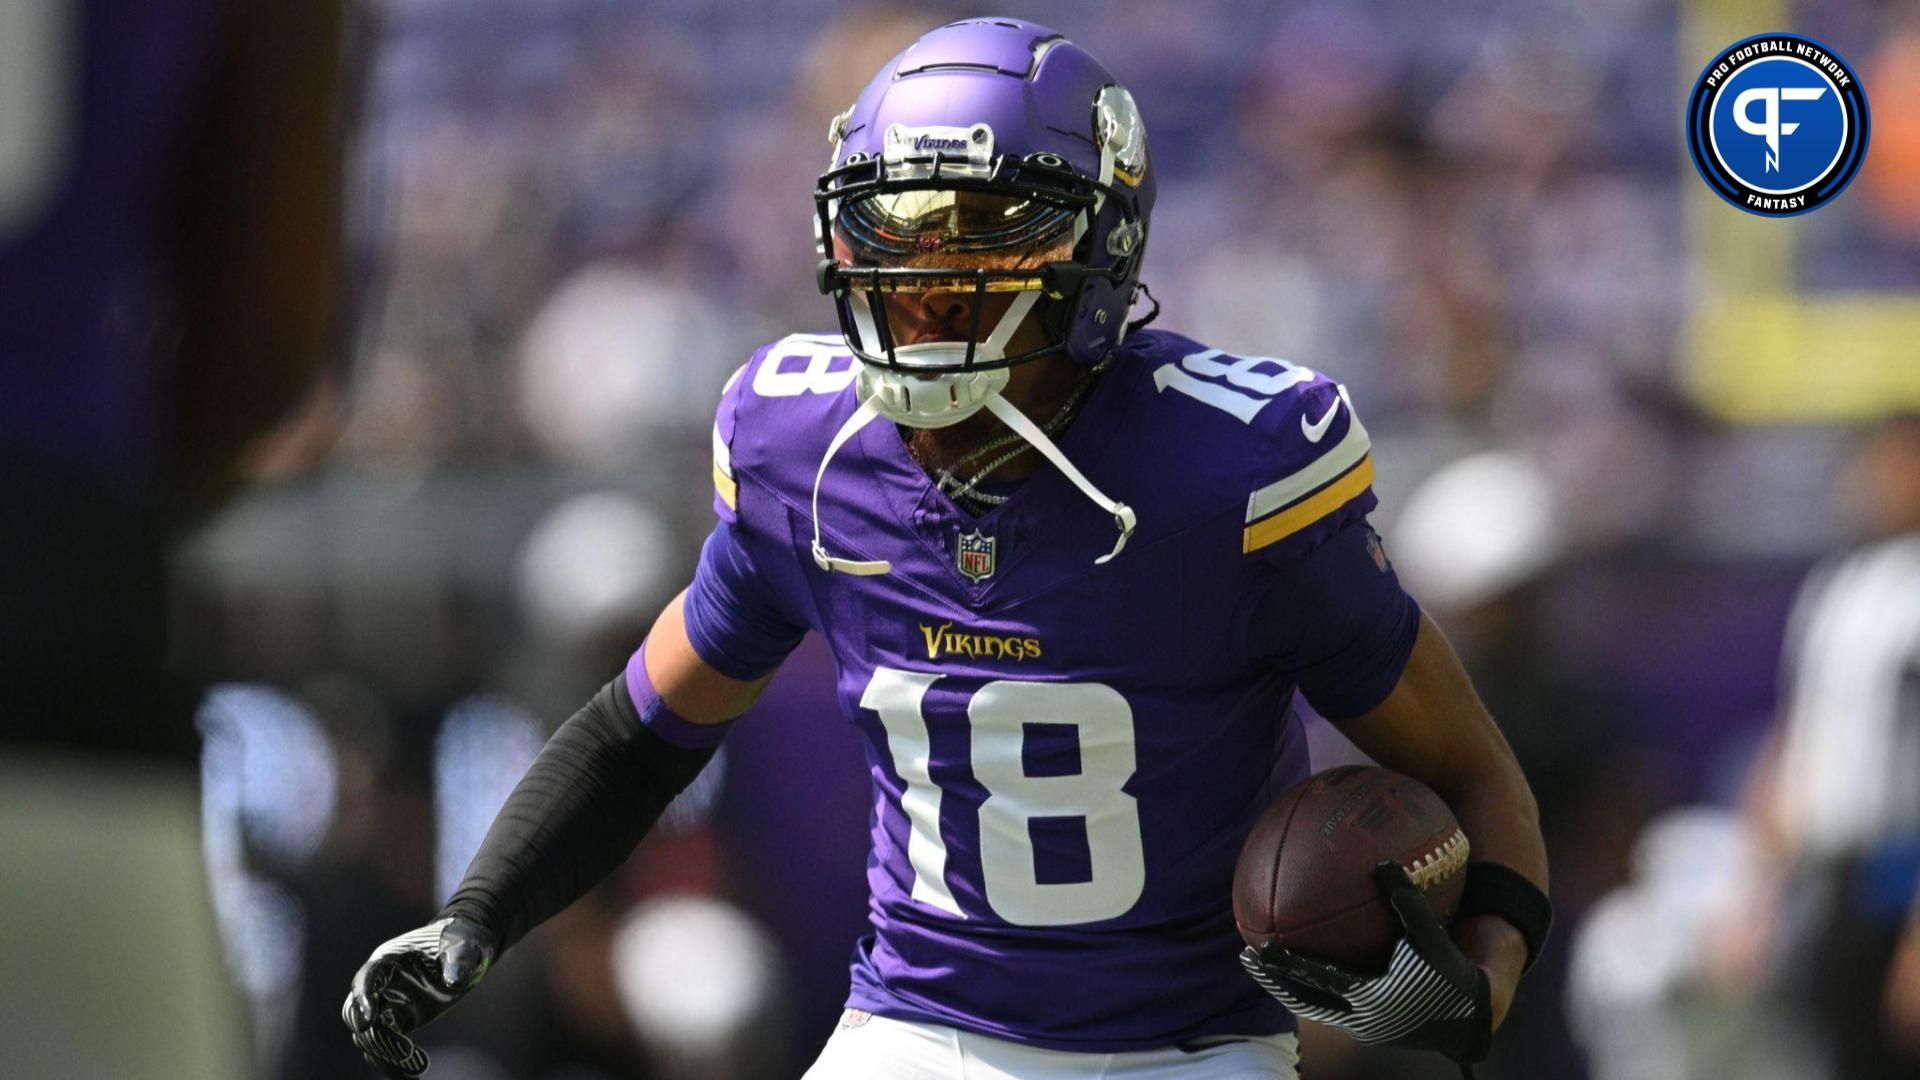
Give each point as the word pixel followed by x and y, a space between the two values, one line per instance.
pixel 1836 798
pixel 167 268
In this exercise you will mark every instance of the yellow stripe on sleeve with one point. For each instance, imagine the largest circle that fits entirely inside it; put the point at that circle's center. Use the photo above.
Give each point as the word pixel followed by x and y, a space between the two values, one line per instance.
pixel 723 481
pixel 728 488
pixel 1308 510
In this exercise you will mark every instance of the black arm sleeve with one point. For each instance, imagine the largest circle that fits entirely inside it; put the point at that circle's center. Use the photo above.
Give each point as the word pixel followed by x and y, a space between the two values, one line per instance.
pixel 585 802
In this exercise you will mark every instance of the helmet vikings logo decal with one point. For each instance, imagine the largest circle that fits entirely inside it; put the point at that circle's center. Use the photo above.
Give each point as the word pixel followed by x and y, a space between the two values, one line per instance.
pixel 975 556
pixel 930 143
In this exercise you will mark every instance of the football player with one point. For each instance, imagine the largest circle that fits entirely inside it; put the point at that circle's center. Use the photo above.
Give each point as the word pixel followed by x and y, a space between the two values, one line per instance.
pixel 1072 571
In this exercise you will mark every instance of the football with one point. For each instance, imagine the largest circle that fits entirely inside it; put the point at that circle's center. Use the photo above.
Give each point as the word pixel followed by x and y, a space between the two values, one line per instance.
pixel 1305 876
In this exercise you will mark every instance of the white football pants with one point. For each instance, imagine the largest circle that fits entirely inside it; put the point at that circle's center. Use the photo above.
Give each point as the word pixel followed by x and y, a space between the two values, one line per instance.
pixel 866 1047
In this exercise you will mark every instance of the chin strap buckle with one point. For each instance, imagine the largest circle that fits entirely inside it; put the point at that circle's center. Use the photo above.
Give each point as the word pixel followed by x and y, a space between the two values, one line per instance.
pixel 1125 521
pixel 848 566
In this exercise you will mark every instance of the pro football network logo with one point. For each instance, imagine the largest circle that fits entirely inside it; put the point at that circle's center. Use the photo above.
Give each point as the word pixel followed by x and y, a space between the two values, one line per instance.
pixel 1777 124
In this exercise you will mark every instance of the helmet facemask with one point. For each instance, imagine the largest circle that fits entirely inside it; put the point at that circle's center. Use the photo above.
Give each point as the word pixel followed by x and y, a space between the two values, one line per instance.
pixel 937 215
pixel 947 292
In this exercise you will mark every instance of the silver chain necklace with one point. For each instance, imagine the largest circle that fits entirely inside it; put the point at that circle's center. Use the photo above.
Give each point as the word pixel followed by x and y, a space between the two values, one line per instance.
pixel 965 492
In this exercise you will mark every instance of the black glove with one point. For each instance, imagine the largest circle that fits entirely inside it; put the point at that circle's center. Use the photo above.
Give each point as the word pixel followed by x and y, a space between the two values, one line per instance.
pixel 1433 996
pixel 410 981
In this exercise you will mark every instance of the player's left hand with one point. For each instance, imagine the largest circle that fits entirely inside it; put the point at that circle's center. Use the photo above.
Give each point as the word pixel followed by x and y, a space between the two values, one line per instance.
pixel 409 981
pixel 1433 996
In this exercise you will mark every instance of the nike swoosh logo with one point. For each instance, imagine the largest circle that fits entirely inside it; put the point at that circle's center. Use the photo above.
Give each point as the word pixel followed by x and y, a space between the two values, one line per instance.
pixel 1316 431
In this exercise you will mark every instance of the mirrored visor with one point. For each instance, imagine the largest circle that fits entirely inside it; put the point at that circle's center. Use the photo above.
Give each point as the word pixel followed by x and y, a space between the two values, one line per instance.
pixel 952 230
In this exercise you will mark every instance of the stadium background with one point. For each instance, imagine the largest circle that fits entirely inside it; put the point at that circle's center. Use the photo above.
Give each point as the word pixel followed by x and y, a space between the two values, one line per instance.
pixel 573 218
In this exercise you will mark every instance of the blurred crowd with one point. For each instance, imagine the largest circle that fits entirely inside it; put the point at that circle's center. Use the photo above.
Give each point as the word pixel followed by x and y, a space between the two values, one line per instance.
pixel 570 220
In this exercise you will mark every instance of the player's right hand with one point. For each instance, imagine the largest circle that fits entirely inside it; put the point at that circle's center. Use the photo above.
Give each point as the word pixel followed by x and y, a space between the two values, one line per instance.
pixel 1433 997
pixel 410 981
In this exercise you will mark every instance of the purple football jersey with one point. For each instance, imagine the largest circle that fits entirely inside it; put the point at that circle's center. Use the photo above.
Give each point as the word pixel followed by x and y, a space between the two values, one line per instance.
pixel 1066 757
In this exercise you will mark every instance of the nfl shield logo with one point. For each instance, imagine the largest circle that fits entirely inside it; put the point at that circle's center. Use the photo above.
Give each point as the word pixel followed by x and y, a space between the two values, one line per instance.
pixel 1378 550
pixel 976 555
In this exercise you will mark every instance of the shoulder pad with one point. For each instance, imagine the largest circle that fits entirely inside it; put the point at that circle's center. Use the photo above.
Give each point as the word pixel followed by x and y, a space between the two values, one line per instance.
pixel 1320 473
pixel 791 394
pixel 1282 438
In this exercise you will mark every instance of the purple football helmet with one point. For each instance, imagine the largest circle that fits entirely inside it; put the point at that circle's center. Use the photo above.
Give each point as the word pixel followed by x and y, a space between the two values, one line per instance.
pixel 988 142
